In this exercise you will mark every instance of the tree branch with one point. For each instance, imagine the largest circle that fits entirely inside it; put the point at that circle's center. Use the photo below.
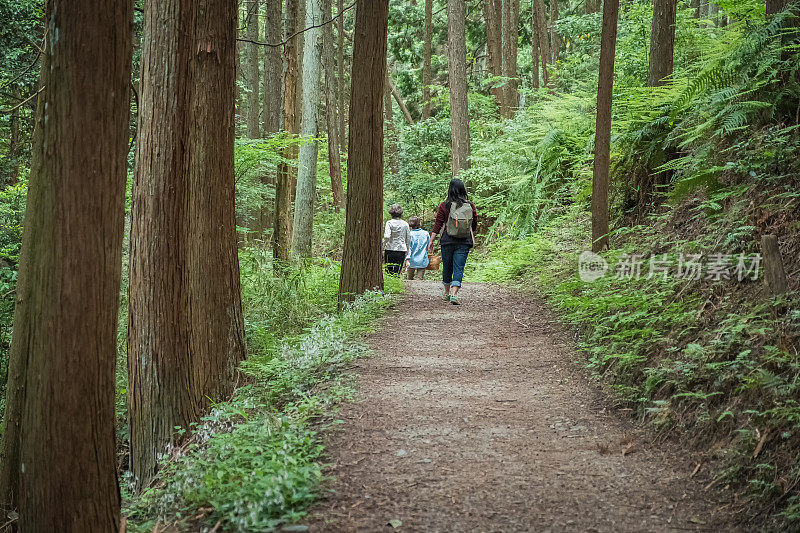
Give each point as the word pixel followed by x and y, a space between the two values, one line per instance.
pixel 295 34
pixel 28 99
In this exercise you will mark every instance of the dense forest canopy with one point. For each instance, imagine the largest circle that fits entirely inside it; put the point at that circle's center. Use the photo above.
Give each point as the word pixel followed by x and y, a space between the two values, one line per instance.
pixel 191 202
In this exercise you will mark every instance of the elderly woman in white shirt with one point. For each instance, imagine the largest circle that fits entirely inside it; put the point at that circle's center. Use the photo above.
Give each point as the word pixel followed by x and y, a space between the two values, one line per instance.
pixel 396 239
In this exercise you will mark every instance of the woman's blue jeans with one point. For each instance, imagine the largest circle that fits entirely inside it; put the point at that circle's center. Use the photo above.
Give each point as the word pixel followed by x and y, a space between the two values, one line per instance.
pixel 454 257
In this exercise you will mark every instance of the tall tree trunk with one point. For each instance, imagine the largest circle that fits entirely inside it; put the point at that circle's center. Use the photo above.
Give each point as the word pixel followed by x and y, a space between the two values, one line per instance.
pixel 602 143
pixel 510 25
pixel 555 38
pixel 662 41
pixel 307 170
pixel 426 60
pixel 544 41
pixel 271 111
pixel 492 14
pixel 391 139
pixel 591 6
pixel 361 257
pixel 14 143
pixel 695 5
pixel 534 47
pixel 58 464
pixel 216 322
pixel 459 109
pixel 252 76
pixel 185 328
pixel 341 80
pixel 331 116
pixel 283 186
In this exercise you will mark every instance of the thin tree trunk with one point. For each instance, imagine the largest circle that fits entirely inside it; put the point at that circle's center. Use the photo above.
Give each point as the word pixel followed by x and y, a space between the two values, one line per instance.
pixel 555 38
pixel 426 60
pixel 283 187
pixel 341 79
pixel 399 99
pixel 544 42
pixel 602 143
pixel 14 142
pixel 271 112
pixel 492 14
pixel 510 32
pixel 307 170
pixel 391 139
pixel 58 463
pixel 459 109
pixel 253 75
pixel 331 118
pixel 361 257
pixel 535 47
pixel 662 41
pixel 185 328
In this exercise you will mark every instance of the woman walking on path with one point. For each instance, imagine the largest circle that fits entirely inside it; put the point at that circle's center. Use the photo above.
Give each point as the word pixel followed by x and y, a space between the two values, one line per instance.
pixel 396 239
pixel 417 256
pixel 456 222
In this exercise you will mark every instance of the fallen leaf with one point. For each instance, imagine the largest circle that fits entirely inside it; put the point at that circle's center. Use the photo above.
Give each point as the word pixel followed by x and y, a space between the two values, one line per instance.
pixel 395 523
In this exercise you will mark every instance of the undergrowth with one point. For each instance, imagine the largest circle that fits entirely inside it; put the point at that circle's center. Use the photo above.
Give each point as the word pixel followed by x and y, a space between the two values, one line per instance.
pixel 254 462
pixel 715 362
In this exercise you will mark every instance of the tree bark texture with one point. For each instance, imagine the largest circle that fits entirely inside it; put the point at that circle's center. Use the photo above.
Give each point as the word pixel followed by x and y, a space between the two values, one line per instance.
pixel 492 14
pixel 309 129
pixel 341 85
pixel 543 38
pixel 459 108
pixel 391 135
pixel 185 328
pixel 253 74
pixel 273 66
pixel 58 464
pixel 283 186
pixel 534 48
pixel 331 111
pixel 774 272
pixel 510 25
pixel 776 6
pixel 662 42
pixel 361 257
pixel 602 143
pixel 426 60
pixel 271 105
pixel 555 38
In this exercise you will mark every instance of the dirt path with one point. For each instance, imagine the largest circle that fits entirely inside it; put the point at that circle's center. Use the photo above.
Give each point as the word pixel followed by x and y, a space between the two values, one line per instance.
pixel 475 418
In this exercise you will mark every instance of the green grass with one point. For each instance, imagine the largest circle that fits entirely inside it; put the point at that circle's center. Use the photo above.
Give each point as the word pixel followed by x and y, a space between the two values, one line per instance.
pixel 255 462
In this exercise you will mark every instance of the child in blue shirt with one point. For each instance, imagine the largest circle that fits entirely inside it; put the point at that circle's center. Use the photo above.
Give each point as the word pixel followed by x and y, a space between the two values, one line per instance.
pixel 417 255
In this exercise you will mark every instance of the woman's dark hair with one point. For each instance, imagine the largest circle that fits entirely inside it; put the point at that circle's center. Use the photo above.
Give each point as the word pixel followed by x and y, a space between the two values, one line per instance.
pixel 457 193
pixel 396 211
pixel 414 223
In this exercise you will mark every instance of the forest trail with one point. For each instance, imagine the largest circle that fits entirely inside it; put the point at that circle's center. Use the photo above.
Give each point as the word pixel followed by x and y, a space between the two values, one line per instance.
pixel 476 418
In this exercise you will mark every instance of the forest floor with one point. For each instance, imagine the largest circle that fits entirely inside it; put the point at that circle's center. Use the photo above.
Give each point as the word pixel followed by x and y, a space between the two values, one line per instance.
pixel 479 418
